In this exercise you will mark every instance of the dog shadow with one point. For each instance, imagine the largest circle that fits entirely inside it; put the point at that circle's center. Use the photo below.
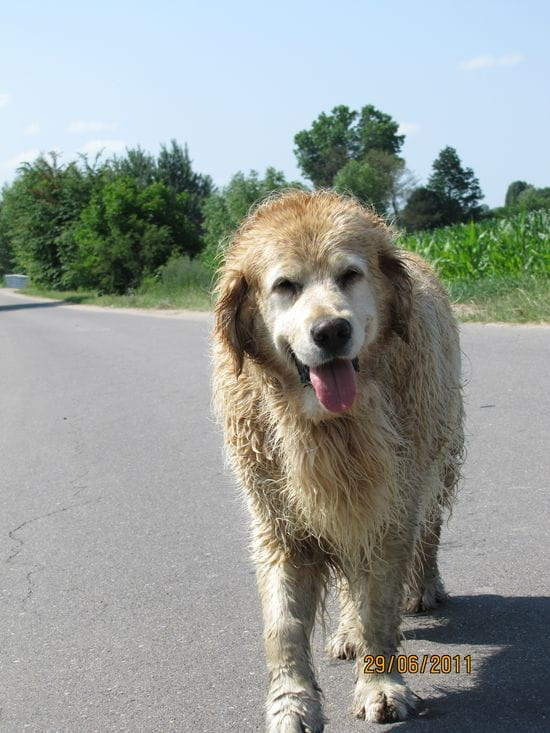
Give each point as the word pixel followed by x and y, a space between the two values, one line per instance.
pixel 508 639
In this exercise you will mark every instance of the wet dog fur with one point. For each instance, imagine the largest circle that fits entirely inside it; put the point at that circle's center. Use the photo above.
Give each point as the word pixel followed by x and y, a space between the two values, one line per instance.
pixel 354 492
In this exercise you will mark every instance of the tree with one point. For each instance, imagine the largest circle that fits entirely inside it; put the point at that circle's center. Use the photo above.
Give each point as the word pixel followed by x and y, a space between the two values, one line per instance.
pixel 513 192
pixel 380 180
pixel 111 236
pixel 175 170
pixel 456 184
pixel 427 209
pixel 326 148
pixel 38 210
pixel 363 181
pixel 224 210
pixel 452 195
pixel 333 140
pixel 102 225
pixel 376 130
pixel 522 196
pixel 7 260
pixel 128 232
pixel 398 180
pixel 136 164
pixel 531 199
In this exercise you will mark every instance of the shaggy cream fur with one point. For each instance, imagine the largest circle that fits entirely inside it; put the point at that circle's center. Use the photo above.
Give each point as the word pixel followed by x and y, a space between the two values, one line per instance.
pixel 356 493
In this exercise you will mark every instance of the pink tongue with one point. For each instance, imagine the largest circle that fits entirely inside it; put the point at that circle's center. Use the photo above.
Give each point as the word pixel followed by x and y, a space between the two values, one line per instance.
pixel 334 384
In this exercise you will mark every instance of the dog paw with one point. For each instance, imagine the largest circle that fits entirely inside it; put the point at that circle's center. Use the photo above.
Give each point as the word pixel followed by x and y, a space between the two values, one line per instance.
pixel 383 701
pixel 294 714
pixel 343 645
pixel 426 599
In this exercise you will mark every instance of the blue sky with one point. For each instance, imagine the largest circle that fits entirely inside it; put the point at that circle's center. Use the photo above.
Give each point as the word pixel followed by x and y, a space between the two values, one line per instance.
pixel 236 81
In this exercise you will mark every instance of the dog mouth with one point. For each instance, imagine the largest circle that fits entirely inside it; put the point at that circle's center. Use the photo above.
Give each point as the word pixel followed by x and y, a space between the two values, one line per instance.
pixel 334 382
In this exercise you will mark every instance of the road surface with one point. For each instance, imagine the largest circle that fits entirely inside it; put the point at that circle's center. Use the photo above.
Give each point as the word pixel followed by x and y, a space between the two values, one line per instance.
pixel 127 596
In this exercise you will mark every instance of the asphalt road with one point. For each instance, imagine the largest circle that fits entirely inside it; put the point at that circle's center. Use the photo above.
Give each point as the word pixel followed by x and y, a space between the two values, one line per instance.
pixel 127 597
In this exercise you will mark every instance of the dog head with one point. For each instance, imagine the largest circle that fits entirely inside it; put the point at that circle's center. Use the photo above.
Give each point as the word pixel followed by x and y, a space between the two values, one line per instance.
pixel 310 282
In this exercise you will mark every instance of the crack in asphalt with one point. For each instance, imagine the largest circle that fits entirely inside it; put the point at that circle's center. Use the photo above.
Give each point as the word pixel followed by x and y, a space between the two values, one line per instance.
pixel 30 584
pixel 20 542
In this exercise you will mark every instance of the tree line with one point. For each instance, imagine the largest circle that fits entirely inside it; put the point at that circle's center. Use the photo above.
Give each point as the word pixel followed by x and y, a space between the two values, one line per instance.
pixel 109 224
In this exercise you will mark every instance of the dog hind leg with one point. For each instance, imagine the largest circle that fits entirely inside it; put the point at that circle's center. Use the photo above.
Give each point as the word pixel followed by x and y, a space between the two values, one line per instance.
pixel 343 644
pixel 425 587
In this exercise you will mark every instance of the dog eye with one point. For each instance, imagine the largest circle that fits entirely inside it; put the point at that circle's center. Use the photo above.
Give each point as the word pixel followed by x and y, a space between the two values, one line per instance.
pixel 348 277
pixel 286 286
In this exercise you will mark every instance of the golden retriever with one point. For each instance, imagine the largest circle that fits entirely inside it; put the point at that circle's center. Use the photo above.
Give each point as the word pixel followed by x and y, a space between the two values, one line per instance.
pixel 337 378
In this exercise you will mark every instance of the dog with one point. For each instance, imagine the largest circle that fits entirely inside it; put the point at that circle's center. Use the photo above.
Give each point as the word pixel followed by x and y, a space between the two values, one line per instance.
pixel 336 375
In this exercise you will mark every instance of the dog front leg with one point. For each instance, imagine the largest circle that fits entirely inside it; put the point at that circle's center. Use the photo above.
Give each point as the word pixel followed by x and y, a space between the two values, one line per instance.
pixel 289 593
pixel 381 694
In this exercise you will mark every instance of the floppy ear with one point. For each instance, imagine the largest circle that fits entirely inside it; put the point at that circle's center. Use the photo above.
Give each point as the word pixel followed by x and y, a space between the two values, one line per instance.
pixel 233 317
pixel 394 268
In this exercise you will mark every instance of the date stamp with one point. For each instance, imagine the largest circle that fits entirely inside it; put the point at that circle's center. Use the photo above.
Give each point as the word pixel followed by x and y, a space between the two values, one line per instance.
pixel 418 664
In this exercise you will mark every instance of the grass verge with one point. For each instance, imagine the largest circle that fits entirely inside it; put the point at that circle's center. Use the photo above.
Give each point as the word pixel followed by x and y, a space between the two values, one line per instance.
pixel 186 298
pixel 506 299
pixel 509 300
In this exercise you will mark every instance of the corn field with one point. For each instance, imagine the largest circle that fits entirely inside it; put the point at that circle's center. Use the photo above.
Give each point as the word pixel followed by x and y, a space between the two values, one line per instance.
pixel 509 247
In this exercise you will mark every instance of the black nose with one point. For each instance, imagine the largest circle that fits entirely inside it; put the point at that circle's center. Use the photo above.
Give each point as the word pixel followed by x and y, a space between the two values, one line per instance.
pixel 331 334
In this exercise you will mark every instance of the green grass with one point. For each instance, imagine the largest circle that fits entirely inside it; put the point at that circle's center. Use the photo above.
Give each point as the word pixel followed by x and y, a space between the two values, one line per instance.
pixel 509 300
pixel 164 299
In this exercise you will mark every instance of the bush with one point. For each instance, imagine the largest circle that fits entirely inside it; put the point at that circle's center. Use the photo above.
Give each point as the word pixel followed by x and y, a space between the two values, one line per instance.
pixel 183 272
